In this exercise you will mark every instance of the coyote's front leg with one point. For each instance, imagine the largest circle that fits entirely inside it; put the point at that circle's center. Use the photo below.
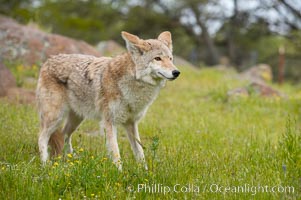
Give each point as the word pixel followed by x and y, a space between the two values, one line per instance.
pixel 134 138
pixel 112 145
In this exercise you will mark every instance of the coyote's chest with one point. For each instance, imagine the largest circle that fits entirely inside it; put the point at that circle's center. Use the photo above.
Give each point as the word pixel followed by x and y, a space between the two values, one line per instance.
pixel 135 100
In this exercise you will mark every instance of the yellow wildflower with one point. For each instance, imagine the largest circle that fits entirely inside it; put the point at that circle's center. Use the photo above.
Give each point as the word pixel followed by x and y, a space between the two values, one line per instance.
pixel 34 67
pixel 20 68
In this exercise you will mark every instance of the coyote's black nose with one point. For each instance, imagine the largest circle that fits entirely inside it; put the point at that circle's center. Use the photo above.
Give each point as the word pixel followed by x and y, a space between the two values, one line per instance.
pixel 176 73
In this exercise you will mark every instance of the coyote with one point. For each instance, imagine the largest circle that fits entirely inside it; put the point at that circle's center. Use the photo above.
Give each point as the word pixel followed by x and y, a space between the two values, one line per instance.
pixel 115 91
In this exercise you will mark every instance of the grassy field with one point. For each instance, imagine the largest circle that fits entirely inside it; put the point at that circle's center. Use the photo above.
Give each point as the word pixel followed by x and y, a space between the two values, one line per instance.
pixel 198 145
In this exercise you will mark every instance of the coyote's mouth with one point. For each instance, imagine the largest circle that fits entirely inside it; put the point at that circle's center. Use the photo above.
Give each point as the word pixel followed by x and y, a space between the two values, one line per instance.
pixel 171 79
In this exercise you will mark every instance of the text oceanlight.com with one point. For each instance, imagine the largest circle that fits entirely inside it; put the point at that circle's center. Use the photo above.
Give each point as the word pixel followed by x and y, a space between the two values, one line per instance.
pixel 211 188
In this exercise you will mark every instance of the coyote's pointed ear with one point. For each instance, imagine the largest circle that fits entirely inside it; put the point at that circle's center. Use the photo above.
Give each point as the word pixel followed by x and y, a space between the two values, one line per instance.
pixel 165 37
pixel 134 43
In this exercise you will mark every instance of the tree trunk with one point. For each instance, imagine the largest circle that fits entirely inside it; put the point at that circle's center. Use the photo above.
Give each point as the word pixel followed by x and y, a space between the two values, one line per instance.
pixel 232 29
pixel 213 54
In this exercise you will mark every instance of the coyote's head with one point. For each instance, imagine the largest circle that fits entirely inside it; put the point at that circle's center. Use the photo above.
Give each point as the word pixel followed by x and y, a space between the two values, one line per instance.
pixel 153 58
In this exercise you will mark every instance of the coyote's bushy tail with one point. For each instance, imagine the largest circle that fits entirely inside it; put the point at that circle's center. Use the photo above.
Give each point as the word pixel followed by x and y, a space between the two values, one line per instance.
pixel 56 143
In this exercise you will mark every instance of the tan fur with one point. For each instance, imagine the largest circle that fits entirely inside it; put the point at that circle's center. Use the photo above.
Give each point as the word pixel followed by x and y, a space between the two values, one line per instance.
pixel 165 37
pixel 115 91
pixel 56 142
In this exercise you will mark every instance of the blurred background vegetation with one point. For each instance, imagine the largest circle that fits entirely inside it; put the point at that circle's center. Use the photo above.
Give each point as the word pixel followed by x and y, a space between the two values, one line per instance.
pixel 238 33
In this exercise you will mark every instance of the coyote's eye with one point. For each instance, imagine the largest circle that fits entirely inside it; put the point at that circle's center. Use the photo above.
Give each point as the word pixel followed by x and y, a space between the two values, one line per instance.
pixel 158 58
pixel 170 58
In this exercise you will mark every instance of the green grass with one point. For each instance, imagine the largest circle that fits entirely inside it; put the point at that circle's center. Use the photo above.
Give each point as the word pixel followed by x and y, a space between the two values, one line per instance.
pixel 192 136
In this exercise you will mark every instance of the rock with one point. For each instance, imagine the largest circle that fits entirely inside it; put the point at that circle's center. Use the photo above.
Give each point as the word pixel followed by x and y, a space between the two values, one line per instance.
pixel 7 80
pixel 255 88
pixel 260 73
pixel 179 61
pixel 257 76
pixel 238 92
pixel 29 45
pixel 21 95
pixel 110 48
pixel 225 61
pixel 264 90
